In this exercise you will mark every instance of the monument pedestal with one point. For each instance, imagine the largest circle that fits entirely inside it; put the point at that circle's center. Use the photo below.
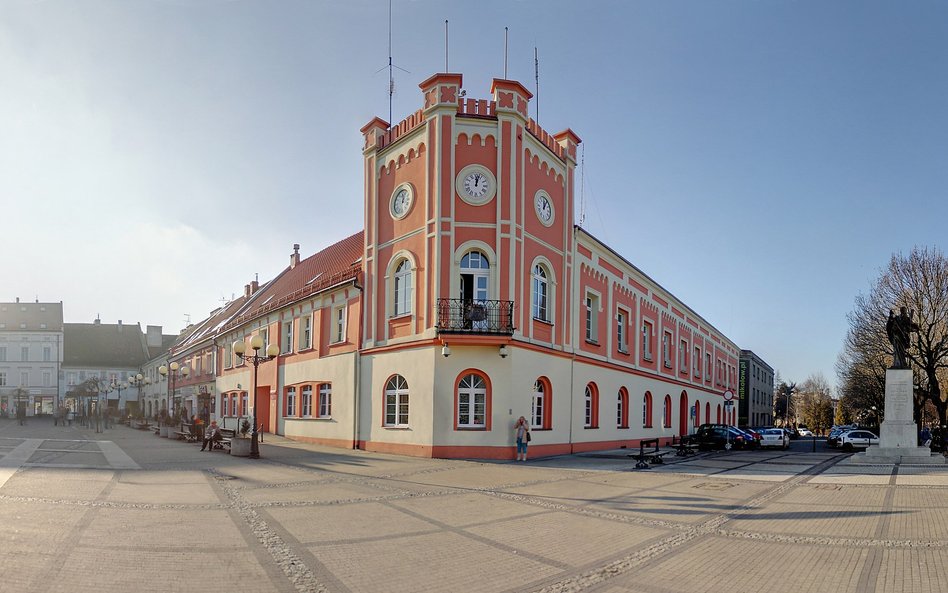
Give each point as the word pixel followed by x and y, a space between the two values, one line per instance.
pixel 898 435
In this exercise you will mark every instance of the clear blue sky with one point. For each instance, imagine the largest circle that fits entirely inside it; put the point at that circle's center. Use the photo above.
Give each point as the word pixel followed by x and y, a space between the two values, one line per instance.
pixel 761 160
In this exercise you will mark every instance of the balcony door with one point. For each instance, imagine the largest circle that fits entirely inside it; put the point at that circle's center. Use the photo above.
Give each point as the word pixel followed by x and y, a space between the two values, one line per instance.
pixel 475 289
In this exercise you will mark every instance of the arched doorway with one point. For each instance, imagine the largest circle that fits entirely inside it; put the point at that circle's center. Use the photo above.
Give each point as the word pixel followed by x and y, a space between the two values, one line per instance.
pixel 683 409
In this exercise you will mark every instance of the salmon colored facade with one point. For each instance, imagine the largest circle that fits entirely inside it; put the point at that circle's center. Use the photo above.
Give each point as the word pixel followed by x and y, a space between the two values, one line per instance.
pixel 474 299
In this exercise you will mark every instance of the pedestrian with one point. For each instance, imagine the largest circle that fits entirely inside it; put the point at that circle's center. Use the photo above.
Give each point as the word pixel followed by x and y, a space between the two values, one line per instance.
pixel 522 430
pixel 925 437
pixel 211 436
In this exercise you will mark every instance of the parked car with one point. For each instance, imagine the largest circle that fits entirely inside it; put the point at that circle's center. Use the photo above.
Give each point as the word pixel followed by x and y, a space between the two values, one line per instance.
pixel 719 436
pixel 857 439
pixel 832 439
pixel 751 438
pixel 754 433
pixel 804 432
pixel 774 437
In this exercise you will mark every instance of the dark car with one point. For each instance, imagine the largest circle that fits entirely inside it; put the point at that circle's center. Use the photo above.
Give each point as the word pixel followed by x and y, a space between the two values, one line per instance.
pixel 719 436
pixel 755 435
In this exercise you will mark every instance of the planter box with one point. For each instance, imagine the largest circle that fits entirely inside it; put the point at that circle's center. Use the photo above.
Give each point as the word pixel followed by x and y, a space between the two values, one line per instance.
pixel 163 431
pixel 240 447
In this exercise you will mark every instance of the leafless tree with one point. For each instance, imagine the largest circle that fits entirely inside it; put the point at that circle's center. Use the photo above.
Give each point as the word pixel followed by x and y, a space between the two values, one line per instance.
pixel 917 281
pixel 814 403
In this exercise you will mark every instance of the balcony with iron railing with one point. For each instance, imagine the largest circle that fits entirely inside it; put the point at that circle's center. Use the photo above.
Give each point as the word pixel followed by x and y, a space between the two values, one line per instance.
pixel 466 316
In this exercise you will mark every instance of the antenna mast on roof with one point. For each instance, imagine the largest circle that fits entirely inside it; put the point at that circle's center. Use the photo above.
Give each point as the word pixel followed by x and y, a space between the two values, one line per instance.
pixel 582 186
pixel 536 75
pixel 446 45
pixel 187 318
pixel 505 53
pixel 391 67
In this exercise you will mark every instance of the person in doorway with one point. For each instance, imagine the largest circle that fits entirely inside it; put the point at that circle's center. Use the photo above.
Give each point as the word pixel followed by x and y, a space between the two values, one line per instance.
pixel 925 437
pixel 211 436
pixel 522 430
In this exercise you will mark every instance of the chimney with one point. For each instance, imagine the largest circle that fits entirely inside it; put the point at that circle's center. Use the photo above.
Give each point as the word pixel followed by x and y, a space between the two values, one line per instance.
pixel 120 325
pixel 18 299
pixel 247 292
pixel 254 285
pixel 295 258
pixel 97 321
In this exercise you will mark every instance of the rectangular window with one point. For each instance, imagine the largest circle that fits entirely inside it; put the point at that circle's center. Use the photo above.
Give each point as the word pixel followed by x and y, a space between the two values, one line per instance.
pixel 71 378
pixel 47 378
pixel 25 353
pixel 396 408
pixel 265 334
pixel 233 404
pixel 291 401
pixel 288 337
pixel 325 400
pixel 24 379
pixel 707 367
pixel 697 362
pixel 306 324
pixel 592 309
pixel 666 349
pixel 3 353
pixel 339 324
pixel 3 379
pixel 646 340
pixel 243 404
pixel 683 356
pixel 620 331
pixel 306 402
pixel 47 353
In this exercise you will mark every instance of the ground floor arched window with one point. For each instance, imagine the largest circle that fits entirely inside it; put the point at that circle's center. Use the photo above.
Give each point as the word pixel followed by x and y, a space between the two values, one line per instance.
pixel 472 396
pixel 541 406
pixel 396 401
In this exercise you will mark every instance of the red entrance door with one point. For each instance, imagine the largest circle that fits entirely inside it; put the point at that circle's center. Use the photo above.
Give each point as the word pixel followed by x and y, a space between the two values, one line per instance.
pixel 263 401
pixel 683 410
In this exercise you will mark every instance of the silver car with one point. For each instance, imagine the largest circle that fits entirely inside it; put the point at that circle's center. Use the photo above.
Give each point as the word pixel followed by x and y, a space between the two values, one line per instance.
pixel 774 437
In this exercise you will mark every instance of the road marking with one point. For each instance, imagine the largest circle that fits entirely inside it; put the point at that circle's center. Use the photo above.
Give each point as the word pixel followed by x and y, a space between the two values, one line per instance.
pixel 116 457
pixel 16 458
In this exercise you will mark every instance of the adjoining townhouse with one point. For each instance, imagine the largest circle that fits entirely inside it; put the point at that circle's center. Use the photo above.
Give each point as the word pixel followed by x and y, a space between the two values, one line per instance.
pixel 755 391
pixel 31 356
pixel 469 299
pixel 109 353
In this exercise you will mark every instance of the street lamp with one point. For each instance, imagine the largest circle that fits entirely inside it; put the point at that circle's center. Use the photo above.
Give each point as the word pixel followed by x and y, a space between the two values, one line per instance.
pixel 138 381
pixel 164 371
pixel 240 349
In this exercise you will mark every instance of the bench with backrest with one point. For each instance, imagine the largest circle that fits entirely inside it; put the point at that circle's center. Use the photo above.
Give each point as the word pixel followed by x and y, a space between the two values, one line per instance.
pixel 186 433
pixel 227 434
pixel 644 457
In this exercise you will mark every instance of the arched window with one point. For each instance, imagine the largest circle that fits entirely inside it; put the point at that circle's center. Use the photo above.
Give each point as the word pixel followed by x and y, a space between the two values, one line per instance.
pixel 402 289
pixel 541 408
pixel 647 410
pixel 718 421
pixel 592 406
pixel 622 408
pixel 396 401
pixel 667 412
pixel 697 413
pixel 707 412
pixel 541 289
pixel 472 406
pixel 474 260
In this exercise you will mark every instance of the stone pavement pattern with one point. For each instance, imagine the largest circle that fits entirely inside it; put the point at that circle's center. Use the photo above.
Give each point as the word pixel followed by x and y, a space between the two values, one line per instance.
pixel 127 511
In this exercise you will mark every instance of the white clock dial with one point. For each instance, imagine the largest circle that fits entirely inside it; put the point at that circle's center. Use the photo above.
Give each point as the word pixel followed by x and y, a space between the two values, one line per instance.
pixel 544 208
pixel 476 184
pixel 402 200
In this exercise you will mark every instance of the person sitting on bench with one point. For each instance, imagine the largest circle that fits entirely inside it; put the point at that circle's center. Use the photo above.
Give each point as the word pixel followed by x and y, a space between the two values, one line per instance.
pixel 211 436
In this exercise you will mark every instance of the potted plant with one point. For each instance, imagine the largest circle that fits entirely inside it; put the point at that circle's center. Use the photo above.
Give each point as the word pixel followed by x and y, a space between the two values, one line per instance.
pixel 240 444
pixel 167 424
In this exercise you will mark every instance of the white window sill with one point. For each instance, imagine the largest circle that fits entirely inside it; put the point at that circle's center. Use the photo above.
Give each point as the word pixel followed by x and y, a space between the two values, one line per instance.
pixel 397 427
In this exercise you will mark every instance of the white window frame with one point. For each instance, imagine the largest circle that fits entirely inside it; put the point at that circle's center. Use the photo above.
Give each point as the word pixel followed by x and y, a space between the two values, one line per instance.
pixel 325 400
pixel 288 337
pixel 697 362
pixel 647 330
pixel 537 405
pixel 396 411
pixel 306 401
pixel 289 406
pixel 541 293
pixel 592 317
pixel 306 332
pixel 619 404
pixel 3 378
pixel 588 403
pixel 472 396
pixel 683 355
pixel 666 349
pixel 402 288
pixel 339 324
pixel 621 334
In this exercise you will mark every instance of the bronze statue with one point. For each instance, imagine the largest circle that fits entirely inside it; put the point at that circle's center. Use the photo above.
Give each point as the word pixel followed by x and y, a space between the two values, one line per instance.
pixel 899 329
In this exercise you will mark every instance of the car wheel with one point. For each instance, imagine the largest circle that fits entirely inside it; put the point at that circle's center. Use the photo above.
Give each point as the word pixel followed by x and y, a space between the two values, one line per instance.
pixel 847 447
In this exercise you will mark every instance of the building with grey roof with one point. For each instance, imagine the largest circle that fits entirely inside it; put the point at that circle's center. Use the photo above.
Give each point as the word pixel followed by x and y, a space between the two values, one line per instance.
pixel 31 354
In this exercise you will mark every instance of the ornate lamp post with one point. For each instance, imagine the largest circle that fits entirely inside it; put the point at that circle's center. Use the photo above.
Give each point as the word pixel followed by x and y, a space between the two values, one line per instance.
pixel 137 381
pixel 171 371
pixel 240 349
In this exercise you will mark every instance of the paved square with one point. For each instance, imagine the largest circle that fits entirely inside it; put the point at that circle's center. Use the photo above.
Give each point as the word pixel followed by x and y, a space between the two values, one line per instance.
pixel 125 510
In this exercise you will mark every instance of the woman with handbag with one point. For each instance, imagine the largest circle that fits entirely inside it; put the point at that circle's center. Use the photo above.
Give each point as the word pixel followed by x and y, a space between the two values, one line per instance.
pixel 523 437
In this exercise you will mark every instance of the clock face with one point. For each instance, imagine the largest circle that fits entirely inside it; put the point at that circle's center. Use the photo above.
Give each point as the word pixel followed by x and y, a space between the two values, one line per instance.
pixel 401 201
pixel 544 208
pixel 476 185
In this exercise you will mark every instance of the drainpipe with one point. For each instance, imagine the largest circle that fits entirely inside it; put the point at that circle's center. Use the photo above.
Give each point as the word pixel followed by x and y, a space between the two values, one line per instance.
pixel 357 400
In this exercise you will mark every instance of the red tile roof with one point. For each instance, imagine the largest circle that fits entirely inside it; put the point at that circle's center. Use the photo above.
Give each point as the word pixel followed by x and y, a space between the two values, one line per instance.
pixel 338 263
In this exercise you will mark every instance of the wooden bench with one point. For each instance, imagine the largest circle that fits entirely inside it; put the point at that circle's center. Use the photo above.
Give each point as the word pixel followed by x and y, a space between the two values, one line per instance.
pixel 187 433
pixel 227 434
pixel 156 429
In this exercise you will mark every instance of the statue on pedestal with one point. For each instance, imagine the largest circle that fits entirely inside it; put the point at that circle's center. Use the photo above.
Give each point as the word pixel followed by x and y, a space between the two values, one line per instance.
pixel 899 329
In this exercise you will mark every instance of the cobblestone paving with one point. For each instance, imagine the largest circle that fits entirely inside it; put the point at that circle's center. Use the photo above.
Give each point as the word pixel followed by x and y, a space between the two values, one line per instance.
pixel 124 510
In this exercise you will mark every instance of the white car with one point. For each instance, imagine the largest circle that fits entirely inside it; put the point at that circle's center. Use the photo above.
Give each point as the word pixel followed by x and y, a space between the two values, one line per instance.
pixel 774 437
pixel 804 432
pixel 857 439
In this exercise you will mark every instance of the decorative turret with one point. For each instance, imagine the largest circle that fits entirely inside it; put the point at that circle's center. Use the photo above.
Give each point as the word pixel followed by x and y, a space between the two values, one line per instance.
pixel 441 90
pixel 511 97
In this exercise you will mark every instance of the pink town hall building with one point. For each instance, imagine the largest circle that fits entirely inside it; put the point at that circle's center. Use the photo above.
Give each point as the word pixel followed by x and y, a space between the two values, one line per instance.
pixel 470 299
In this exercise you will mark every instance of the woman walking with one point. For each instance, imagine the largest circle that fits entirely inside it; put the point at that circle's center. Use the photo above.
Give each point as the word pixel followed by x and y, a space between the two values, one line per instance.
pixel 523 437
